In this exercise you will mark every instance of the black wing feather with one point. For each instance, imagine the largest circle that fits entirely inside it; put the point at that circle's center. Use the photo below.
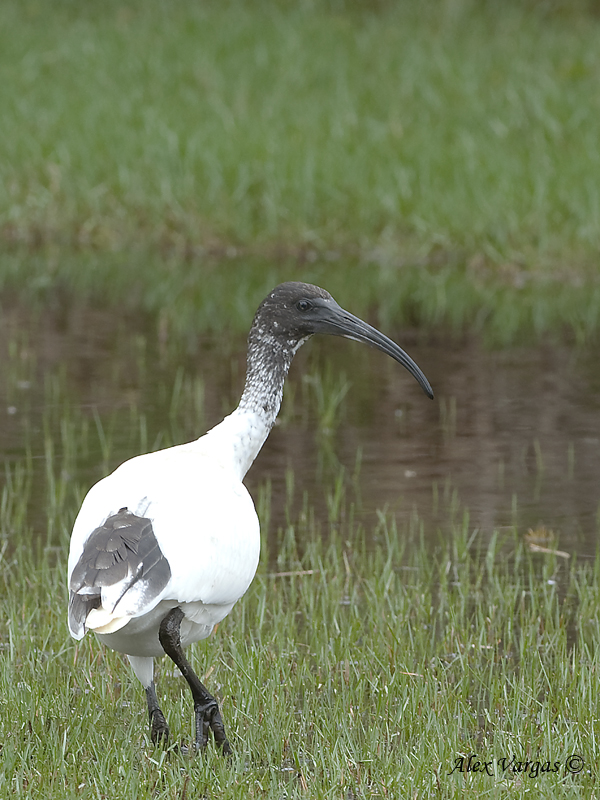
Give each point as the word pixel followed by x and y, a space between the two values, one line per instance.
pixel 124 545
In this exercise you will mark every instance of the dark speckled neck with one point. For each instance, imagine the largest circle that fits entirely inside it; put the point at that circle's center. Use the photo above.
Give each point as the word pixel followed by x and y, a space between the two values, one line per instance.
pixel 269 359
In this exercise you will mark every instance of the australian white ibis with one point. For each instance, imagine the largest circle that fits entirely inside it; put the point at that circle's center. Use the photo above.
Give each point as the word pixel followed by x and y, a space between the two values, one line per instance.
pixel 163 547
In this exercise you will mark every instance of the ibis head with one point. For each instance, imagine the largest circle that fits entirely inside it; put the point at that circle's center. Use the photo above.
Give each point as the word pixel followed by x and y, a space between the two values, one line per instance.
pixel 293 312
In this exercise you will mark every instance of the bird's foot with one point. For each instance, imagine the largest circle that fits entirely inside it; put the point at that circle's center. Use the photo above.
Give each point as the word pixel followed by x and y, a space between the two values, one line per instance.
pixel 208 717
pixel 159 730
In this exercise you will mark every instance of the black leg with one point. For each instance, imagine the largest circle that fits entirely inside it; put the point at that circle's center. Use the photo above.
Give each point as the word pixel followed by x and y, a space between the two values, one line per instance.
pixel 205 706
pixel 159 730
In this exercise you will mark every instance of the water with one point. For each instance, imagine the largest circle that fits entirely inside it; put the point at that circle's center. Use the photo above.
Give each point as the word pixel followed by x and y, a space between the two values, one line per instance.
pixel 513 436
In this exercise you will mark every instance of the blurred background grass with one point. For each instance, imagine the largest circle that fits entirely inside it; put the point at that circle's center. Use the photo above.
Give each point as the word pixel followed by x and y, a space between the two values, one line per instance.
pixel 433 164
pixel 444 134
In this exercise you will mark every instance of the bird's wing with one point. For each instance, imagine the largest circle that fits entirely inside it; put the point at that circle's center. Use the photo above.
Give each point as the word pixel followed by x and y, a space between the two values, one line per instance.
pixel 121 571
pixel 194 527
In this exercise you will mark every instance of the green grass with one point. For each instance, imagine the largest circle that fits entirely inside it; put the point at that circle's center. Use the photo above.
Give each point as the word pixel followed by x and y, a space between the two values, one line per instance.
pixel 436 164
pixel 451 127
pixel 367 677
pixel 367 673
pixel 184 298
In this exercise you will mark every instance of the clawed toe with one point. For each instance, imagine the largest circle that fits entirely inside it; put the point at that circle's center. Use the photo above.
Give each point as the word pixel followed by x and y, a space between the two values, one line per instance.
pixel 208 718
pixel 159 730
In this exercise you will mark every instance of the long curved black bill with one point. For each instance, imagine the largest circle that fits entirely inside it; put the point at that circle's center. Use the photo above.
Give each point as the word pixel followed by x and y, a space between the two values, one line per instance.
pixel 342 323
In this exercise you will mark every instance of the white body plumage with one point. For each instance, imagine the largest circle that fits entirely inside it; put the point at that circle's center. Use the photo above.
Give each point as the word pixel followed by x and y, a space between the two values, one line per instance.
pixel 206 527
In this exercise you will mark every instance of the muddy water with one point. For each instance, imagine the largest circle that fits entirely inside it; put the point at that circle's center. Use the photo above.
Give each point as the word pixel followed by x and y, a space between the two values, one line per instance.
pixel 512 436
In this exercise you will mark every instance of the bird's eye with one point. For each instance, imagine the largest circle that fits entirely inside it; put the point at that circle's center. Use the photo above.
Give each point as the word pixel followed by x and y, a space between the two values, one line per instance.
pixel 304 305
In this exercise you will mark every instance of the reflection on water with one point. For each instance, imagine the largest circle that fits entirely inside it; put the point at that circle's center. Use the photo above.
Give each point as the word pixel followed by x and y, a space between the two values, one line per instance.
pixel 513 436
